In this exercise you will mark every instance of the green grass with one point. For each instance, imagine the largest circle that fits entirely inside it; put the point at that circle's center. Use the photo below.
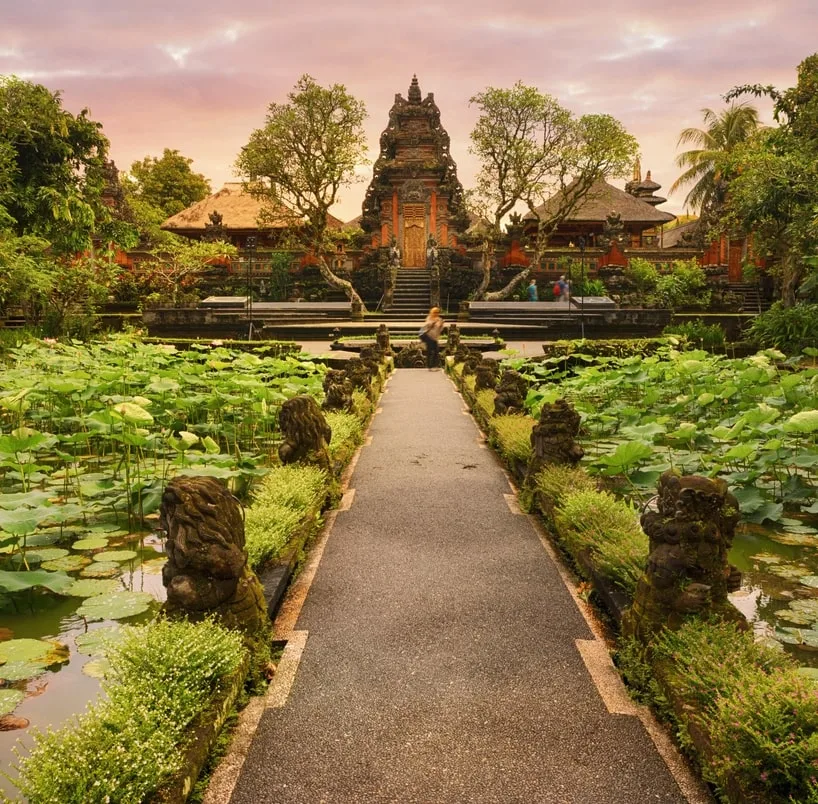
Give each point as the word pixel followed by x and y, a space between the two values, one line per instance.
pixel 512 435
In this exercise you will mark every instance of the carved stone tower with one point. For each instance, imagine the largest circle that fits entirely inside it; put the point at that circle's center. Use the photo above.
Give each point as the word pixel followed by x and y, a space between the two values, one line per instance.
pixel 415 192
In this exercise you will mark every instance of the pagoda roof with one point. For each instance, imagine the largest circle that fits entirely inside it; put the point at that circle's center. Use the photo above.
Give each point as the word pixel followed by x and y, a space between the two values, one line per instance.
pixel 602 199
pixel 240 211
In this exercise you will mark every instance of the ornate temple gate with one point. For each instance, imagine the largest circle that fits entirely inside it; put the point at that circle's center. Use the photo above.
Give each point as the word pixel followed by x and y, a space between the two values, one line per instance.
pixel 414 235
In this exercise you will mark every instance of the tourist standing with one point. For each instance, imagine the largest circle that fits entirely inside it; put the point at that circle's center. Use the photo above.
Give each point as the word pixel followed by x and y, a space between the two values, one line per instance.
pixel 429 334
pixel 532 290
pixel 565 288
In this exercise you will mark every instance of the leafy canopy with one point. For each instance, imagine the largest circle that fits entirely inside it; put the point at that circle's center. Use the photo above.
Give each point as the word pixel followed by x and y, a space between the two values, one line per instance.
pixel 168 183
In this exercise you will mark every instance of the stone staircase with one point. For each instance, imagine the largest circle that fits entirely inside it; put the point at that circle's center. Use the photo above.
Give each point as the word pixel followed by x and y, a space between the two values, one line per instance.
pixel 753 301
pixel 411 298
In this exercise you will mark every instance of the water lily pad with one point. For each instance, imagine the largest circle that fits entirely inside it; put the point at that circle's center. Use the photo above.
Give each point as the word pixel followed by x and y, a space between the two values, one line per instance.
pixel 96 642
pixel 90 587
pixel 20 671
pixel 42 554
pixel 115 555
pixel 115 606
pixel 93 543
pixel 104 527
pixel 20 581
pixel 801 539
pixel 809 605
pixel 767 558
pixel 791 571
pixel 44 539
pixel 795 617
pixel 810 580
pixel 67 564
pixel 102 569
pixel 804 638
pixel 808 672
pixel 39 651
pixel 153 566
pixel 99 667
pixel 9 700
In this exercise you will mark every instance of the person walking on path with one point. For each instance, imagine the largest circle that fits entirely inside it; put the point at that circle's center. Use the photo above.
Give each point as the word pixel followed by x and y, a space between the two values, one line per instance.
pixel 565 288
pixel 429 335
pixel 532 290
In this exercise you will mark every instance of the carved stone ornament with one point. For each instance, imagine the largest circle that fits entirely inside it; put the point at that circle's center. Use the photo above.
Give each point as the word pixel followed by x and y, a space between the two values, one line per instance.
pixel 453 339
pixel 305 431
pixel 206 571
pixel 411 356
pixel 382 337
pixel 487 372
pixel 691 524
pixel 511 393
pixel 414 191
pixel 471 361
pixel 359 375
pixel 337 391
pixel 553 438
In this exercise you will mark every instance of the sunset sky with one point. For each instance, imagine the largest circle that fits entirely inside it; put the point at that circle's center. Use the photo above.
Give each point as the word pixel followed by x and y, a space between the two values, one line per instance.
pixel 198 76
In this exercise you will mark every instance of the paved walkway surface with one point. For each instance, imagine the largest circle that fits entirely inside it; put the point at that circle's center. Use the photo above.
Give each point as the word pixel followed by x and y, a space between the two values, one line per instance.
pixel 441 661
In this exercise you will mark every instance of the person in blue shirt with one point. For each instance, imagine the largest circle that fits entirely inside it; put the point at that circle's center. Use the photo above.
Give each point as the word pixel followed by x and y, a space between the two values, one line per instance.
pixel 532 290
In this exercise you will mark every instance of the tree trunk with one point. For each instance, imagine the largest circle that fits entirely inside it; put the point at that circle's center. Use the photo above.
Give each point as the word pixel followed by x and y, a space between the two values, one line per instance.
pixel 502 295
pixel 488 264
pixel 335 281
pixel 790 278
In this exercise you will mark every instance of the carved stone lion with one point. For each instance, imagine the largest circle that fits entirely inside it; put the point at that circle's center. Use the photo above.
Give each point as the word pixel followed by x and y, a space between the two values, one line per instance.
pixel 337 391
pixel 452 339
pixel 487 371
pixel 383 339
pixel 411 356
pixel 691 530
pixel 511 391
pixel 206 571
pixel 553 438
pixel 359 374
pixel 305 430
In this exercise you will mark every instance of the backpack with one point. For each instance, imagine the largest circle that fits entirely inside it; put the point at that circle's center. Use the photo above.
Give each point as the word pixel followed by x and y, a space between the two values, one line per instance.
pixel 557 289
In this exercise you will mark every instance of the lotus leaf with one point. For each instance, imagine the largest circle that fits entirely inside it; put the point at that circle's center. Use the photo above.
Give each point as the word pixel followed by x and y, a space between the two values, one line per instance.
pixel 803 539
pixel 805 421
pixel 102 569
pixel 44 539
pixel 706 399
pixel 133 414
pixel 809 605
pixel 792 571
pixel 89 587
pixel 9 699
pixel 766 558
pixel 46 554
pixel 98 667
pixel 37 651
pixel 804 638
pixel 115 555
pixel 93 643
pixel 93 543
pixel 795 617
pixel 67 564
pixel 20 581
pixel 740 452
pixel 115 606
pixel 768 511
pixel 809 580
pixel 105 527
pixel 153 566
pixel 20 671
pixel 808 672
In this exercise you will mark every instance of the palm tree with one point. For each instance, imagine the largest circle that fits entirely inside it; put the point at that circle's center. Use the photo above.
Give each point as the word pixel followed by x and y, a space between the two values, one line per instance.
pixel 703 165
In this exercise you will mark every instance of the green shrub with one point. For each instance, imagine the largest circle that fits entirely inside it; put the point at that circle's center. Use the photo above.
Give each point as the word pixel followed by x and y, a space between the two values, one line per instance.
pixel 281 504
pixel 512 434
pixel 787 328
pixel 347 431
pixel 558 480
pixel 759 712
pixel 685 286
pixel 126 746
pixel 608 529
pixel 485 401
pixel 698 333
pixel 590 287
pixel 361 404
pixel 642 275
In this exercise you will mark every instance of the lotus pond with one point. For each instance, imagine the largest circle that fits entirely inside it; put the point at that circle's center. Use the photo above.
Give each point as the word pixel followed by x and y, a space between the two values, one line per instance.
pixel 90 435
pixel 753 422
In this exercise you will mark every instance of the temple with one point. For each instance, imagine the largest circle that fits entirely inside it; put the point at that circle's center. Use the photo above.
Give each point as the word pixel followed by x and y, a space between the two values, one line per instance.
pixel 415 192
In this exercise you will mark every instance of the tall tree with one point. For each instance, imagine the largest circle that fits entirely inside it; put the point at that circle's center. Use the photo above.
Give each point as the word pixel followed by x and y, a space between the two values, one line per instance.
pixel 52 167
pixel 773 194
pixel 704 165
pixel 300 160
pixel 531 148
pixel 168 182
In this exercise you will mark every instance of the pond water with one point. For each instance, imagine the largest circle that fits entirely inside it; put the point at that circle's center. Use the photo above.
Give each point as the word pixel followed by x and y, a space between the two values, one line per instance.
pixel 65 689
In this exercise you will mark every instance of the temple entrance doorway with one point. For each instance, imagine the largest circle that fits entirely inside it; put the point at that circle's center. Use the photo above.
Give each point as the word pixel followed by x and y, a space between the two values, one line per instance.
pixel 414 235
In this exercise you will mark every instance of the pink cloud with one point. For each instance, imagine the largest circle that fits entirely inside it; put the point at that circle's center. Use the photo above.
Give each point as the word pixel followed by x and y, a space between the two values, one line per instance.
pixel 199 76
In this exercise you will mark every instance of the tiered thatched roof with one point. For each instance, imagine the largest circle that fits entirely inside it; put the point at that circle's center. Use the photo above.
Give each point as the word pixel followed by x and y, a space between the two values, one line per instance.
pixel 604 198
pixel 240 211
